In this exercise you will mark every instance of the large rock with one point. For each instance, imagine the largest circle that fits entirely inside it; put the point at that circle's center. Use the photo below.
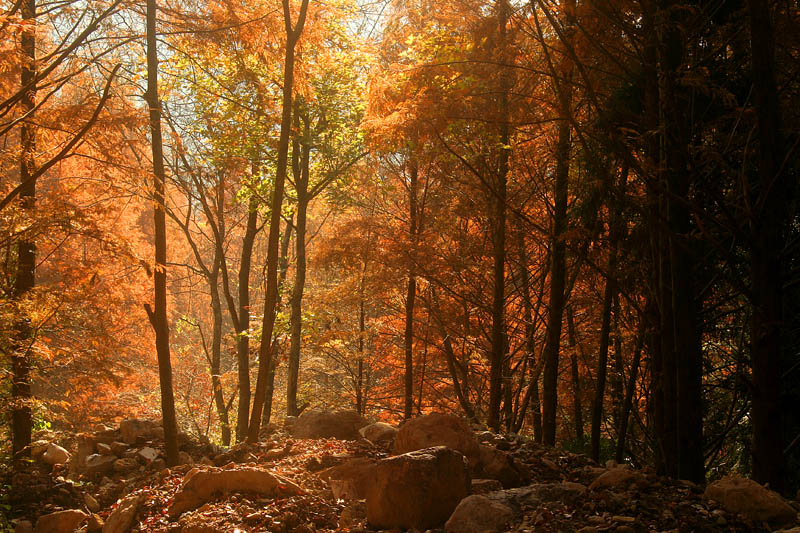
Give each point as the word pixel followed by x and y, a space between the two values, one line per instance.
pixel 378 432
pixel 419 489
pixel 100 464
pixel 316 424
pixel 477 514
pixel 86 447
pixel 349 480
pixel 61 521
pixel 122 517
pixel 55 455
pixel 748 498
pixel 200 486
pixel 131 430
pixel 438 429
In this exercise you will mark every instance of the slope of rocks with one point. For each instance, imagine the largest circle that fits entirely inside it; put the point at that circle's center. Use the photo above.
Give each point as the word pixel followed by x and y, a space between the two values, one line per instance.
pixel 115 481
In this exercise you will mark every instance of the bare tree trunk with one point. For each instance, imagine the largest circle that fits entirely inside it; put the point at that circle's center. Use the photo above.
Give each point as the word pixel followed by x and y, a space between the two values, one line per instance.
pixel 498 351
pixel 602 353
pixel 411 293
pixel 265 352
pixel 296 317
pixel 576 378
pixel 158 316
pixel 243 330
pixel 625 409
pixel 774 190
pixel 25 280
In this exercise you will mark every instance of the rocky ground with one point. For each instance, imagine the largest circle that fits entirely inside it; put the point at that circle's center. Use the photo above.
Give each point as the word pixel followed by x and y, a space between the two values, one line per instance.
pixel 296 481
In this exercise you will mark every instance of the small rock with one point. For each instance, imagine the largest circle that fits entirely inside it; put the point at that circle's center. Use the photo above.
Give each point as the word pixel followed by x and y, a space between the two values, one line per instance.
pixel 94 524
pixel 55 455
pixel 38 448
pixel 119 448
pixel 131 430
pixel 61 521
pixel 587 529
pixel 99 464
pixel 147 454
pixel 485 486
pixel 125 465
pixel 104 449
pixel 158 465
pixel 477 514
pixel 185 459
pixel 24 526
pixel 618 478
pixel 91 502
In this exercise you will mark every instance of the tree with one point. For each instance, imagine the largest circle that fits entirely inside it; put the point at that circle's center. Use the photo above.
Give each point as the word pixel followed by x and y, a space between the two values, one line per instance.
pixel 158 314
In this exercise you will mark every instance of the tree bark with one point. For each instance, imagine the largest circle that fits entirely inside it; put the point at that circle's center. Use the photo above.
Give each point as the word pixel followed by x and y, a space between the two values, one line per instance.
pixel 769 223
pixel 159 314
pixel 296 317
pixel 576 377
pixel 411 292
pixel 602 354
pixel 21 397
pixel 265 352
pixel 243 329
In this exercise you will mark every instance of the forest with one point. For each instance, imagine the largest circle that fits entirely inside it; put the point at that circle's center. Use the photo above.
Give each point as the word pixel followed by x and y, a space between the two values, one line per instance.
pixel 570 222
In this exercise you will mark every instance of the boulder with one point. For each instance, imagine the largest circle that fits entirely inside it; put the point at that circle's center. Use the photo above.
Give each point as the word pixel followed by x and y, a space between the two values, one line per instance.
pixel 477 514
pixel 105 436
pixel 91 502
pixel 316 424
pixel 748 498
pixel 419 489
pixel 185 459
pixel 438 429
pixel 55 455
pixel 100 464
pixel 23 526
pixel 497 464
pixel 61 521
pixel 378 432
pixel 199 486
pixel 349 480
pixel 618 478
pixel 131 430
pixel 122 517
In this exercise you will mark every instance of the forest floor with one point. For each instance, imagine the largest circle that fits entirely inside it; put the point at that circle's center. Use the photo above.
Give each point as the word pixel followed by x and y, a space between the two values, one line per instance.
pixel 652 504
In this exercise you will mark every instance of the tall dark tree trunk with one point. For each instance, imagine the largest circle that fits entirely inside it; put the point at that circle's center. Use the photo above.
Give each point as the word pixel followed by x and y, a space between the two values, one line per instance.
pixel 558 268
pixel 498 195
pixel 627 404
pixel 243 315
pixel 576 377
pixel 773 190
pixel 602 353
pixel 411 292
pixel 265 352
pixel 158 316
pixel 296 315
pixel 21 412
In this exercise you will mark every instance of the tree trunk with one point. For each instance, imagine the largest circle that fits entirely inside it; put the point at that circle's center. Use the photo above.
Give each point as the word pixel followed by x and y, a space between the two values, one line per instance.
pixel 498 196
pixel 627 404
pixel 602 353
pixel 158 316
pixel 21 398
pixel 774 190
pixel 296 318
pixel 576 378
pixel 243 331
pixel 265 352
pixel 411 292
